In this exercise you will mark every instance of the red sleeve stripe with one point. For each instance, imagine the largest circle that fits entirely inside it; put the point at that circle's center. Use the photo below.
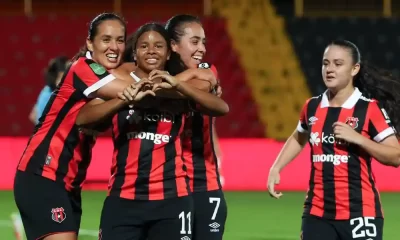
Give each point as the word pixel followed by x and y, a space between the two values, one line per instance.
pixel 215 71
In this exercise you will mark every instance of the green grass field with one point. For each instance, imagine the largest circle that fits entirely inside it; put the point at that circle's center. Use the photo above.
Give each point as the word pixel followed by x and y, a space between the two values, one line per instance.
pixel 251 215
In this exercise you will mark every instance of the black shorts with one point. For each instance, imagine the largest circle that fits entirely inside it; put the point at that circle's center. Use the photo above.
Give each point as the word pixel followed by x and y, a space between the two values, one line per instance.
pixel 210 212
pixel 152 220
pixel 361 228
pixel 45 206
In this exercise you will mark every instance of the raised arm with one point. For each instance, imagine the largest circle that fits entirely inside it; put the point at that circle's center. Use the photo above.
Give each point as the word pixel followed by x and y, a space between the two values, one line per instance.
pixel 202 79
pixel 94 81
pixel 210 104
pixel 98 110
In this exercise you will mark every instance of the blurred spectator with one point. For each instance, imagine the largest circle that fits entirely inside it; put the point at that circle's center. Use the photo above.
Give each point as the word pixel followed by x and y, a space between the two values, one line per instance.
pixel 53 75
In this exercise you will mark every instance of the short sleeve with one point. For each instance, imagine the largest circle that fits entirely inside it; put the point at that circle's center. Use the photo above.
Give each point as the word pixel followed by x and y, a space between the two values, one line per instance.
pixel 90 76
pixel 215 71
pixel 42 100
pixel 302 125
pixel 379 123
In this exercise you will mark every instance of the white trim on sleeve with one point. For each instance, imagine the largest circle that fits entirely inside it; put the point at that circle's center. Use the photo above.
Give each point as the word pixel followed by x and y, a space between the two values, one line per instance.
pixel 300 128
pixel 96 86
pixel 384 134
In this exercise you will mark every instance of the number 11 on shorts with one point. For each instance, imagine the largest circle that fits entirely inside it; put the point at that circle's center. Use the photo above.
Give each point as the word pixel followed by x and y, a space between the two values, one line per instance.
pixel 183 219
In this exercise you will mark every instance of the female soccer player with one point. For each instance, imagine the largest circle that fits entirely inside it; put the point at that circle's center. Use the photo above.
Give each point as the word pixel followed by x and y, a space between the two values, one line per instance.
pixel 53 166
pixel 188 46
pixel 148 194
pixel 354 121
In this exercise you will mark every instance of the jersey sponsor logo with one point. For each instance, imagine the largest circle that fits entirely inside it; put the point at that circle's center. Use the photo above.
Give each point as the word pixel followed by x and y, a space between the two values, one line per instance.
pixel 151 117
pixel 58 215
pixel 352 122
pixel 204 65
pixel 316 139
pixel 97 68
pixel 333 158
pixel 159 117
pixel 155 137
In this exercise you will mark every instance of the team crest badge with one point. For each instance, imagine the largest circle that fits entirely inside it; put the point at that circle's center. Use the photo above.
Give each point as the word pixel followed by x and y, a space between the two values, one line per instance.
pixel 352 122
pixel 58 215
pixel 97 68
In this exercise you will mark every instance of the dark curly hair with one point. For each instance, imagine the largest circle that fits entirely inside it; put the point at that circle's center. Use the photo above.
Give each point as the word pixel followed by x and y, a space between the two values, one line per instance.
pixel 375 83
pixel 56 65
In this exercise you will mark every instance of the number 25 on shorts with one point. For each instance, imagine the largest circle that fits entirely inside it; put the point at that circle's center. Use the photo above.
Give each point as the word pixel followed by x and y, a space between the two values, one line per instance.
pixel 363 227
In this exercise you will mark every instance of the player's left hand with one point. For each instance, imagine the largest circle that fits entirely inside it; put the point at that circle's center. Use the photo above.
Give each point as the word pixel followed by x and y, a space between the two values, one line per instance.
pixel 343 131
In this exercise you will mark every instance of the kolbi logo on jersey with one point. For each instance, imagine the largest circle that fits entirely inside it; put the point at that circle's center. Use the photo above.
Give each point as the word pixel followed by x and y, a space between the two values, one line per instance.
pixel 136 116
pixel 159 117
pixel 316 139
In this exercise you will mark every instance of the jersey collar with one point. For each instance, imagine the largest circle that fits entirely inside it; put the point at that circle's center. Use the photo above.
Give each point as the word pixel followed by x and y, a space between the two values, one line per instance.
pixel 350 102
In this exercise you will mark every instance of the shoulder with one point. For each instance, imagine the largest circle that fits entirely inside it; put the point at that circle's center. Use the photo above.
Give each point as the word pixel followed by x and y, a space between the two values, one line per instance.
pixel 83 63
pixel 313 100
pixel 369 100
pixel 206 65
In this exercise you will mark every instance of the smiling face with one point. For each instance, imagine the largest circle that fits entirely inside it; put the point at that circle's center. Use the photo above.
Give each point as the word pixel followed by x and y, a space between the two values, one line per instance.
pixel 151 51
pixel 192 45
pixel 338 67
pixel 108 44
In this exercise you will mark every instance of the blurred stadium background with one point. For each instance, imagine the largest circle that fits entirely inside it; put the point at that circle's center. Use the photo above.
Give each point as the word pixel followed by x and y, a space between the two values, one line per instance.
pixel 268 53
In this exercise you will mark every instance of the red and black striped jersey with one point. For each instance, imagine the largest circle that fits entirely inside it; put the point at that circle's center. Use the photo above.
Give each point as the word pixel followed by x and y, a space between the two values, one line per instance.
pixel 58 150
pixel 342 184
pixel 198 149
pixel 147 161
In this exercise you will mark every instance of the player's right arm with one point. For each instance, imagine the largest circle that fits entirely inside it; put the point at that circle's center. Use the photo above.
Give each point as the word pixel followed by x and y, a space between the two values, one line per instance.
pixel 202 79
pixel 94 81
pixel 99 110
pixel 293 146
